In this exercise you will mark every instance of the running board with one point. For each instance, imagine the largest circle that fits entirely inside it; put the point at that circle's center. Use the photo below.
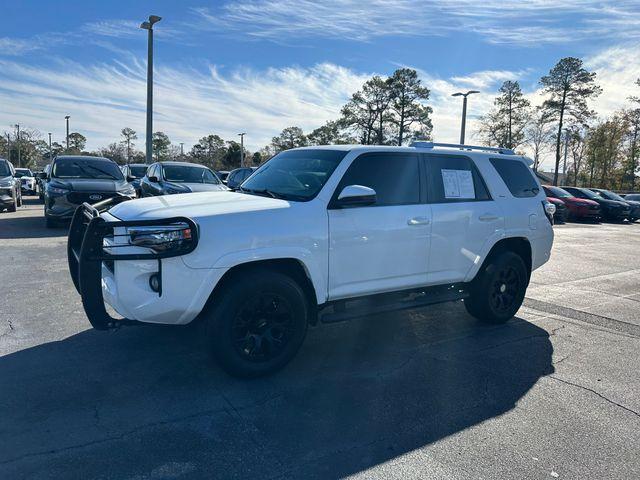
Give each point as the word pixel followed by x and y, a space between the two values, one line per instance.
pixel 341 310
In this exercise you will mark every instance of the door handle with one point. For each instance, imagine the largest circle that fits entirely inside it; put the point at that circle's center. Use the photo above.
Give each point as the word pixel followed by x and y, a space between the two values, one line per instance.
pixel 488 217
pixel 418 221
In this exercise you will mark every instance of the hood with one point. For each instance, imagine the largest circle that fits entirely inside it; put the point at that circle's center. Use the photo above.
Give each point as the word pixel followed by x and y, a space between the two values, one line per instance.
pixel 201 187
pixel 194 205
pixel 88 184
pixel 633 203
pixel 6 179
pixel 581 201
pixel 611 203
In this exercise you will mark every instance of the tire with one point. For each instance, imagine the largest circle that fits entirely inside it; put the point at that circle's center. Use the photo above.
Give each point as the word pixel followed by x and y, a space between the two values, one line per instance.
pixel 497 292
pixel 250 316
pixel 13 207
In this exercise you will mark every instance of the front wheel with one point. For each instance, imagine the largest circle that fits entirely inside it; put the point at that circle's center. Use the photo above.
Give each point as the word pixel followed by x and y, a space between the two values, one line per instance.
pixel 498 290
pixel 256 323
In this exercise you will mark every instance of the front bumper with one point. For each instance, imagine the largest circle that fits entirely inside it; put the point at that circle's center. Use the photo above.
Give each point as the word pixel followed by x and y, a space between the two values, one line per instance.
pixel 94 268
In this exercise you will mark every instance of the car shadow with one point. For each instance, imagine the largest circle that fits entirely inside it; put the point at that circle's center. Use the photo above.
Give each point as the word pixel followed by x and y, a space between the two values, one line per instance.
pixel 140 400
pixel 12 226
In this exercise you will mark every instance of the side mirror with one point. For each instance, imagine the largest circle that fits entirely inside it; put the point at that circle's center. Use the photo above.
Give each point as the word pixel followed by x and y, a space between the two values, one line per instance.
pixel 153 179
pixel 356 196
pixel 41 175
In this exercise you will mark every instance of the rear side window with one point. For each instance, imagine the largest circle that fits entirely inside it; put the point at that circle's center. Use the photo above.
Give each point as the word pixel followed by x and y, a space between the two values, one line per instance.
pixel 454 179
pixel 394 176
pixel 517 176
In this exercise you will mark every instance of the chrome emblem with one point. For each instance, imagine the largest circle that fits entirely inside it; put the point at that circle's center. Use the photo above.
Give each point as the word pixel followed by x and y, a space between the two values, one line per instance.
pixel 95 197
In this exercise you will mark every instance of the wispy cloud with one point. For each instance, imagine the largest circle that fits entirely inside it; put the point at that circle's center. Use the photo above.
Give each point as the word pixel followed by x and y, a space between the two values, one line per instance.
pixel 521 22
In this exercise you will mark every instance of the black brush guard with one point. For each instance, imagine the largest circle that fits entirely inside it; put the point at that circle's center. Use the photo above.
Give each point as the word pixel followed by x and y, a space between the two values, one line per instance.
pixel 86 254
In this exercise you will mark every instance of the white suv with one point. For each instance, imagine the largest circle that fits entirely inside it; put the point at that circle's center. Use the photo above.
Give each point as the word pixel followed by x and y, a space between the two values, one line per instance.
pixel 317 234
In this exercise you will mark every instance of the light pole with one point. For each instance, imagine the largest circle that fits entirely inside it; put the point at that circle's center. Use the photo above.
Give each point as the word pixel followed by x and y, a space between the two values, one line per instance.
pixel 148 25
pixel 18 140
pixel 181 149
pixel 242 148
pixel 67 119
pixel 464 111
pixel 50 151
pixel 8 146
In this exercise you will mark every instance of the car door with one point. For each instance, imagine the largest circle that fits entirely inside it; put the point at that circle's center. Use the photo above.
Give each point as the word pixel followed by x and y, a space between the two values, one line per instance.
pixel 383 246
pixel 465 217
pixel 146 185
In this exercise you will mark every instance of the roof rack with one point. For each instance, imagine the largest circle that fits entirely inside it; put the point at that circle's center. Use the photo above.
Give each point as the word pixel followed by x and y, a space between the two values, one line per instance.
pixel 424 144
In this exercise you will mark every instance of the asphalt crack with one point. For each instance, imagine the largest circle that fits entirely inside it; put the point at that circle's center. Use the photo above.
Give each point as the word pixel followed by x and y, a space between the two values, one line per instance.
pixel 605 398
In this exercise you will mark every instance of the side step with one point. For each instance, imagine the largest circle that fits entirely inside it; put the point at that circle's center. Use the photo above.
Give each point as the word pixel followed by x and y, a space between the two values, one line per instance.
pixel 341 310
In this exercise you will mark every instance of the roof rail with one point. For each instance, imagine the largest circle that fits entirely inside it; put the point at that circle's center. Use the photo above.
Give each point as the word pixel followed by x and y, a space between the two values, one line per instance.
pixel 425 144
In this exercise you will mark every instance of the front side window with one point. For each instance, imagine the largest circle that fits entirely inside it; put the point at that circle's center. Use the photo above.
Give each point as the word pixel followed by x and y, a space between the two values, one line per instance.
pixel 395 177
pixel 517 176
pixel 454 179
pixel 188 174
pixel 609 195
pixel 294 174
pixel 86 168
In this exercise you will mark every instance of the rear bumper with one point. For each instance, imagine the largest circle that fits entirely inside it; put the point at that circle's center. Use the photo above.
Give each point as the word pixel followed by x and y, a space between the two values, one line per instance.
pixel 122 279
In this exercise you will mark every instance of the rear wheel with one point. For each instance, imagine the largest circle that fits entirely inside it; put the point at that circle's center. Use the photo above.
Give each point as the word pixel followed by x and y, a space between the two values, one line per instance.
pixel 257 323
pixel 498 290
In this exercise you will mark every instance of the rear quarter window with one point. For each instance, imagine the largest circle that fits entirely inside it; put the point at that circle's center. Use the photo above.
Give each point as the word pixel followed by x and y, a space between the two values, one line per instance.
pixel 454 179
pixel 517 176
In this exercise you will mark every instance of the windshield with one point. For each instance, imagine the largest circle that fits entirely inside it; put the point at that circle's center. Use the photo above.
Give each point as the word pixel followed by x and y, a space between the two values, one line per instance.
pixel 589 194
pixel 137 172
pixel 4 169
pixel 609 195
pixel 23 172
pixel 294 174
pixel 558 192
pixel 189 174
pixel 633 197
pixel 86 168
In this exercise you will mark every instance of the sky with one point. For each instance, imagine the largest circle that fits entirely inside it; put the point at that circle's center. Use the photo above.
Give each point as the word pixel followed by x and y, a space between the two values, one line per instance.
pixel 259 66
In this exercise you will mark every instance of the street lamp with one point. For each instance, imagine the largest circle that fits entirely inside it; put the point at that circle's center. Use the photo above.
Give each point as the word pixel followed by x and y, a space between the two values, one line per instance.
pixel 50 151
pixel 18 141
pixel 464 111
pixel 148 25
pixel 242 148
pixel 67 119
pixel 181 149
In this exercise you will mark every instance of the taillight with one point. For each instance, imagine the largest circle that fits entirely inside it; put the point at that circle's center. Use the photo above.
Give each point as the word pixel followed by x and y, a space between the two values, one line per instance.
pixel 549 210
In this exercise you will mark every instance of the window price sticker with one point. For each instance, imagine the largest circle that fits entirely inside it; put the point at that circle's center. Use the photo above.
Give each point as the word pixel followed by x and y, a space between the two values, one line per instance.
pixel 458 184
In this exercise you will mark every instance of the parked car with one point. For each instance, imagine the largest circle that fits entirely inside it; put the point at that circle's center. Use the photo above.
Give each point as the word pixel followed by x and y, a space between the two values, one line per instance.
pixel 561 213
pixel 10 187
pixel 76 179
pixel 239 175
pixel 222 175
pixel 611 210
pixel 633 205
pixel 377 229
pixel 168 178
pixel 578 208
pixel 27 181
pixel 42 178
pixel 134 173
pixel 631 196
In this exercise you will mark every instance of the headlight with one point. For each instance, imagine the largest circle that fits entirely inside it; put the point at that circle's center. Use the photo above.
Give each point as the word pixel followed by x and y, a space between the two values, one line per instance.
pixel 128 190
pixel 5 184
pixel 56 190
pixel 160 238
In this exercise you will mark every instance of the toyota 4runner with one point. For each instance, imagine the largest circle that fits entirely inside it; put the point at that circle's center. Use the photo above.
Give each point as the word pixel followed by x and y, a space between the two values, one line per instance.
pixel 317 234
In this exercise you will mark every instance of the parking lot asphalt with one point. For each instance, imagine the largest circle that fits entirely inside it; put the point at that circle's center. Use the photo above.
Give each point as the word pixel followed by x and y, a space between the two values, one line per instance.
pixel 429 393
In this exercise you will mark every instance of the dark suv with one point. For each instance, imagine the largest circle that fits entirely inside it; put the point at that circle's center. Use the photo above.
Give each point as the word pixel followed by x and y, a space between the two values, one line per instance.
pixel 75 179
pixel 10 193
pixel 633 204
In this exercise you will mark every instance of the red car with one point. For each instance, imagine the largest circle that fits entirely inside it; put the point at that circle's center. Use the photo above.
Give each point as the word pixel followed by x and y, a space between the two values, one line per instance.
pixel 579 208
pixel 562 212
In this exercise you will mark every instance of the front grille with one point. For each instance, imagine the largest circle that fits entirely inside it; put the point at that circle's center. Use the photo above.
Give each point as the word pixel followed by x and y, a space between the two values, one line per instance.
pixel 80 197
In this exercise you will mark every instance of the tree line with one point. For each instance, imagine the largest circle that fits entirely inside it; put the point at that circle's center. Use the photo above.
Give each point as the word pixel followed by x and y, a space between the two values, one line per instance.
pixel 592 151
